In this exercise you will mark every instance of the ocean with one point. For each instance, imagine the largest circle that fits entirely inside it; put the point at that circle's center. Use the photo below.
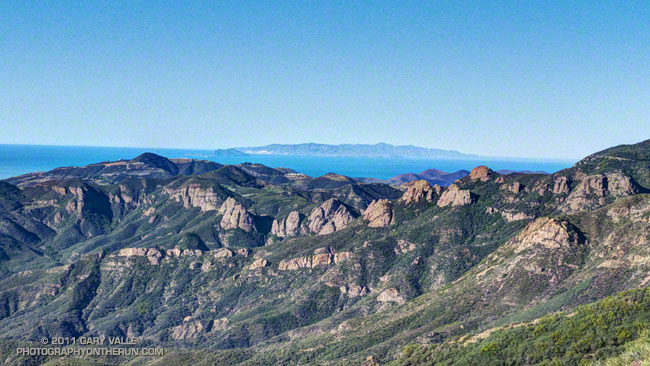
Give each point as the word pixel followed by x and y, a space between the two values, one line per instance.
pixel 20 159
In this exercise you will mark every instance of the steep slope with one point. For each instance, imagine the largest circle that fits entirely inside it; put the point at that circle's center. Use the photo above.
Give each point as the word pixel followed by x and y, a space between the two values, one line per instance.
pixel 590 333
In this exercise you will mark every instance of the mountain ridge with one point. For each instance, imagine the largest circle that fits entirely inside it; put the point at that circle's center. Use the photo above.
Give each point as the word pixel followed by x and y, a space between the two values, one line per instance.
pixel 251 265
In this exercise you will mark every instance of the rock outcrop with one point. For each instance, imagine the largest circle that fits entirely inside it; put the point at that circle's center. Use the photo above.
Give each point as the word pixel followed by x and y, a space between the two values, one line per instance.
pixel 259 263
pixel 379 213
pixel 592 191
pixel 329 217
pixel 561 185
pixel 289 226
pixel 420 191
pixel 511 216
pixel 236 216
pixel 454 196
pixel 221 253
pixel 321 257
pixel 549 233
pixel 193 195
pixel 391 295
pixel 514 187
pixel 342 257
pixel 188 330
pixel 354 291
pixel 153 255
pixel 482 173
pixel 531 264
pixel 620 185
pixel 404 246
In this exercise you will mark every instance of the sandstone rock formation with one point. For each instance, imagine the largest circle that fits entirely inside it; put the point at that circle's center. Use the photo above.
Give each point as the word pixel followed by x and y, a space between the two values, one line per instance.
pixel 188 330
pixel 511 216
pixel 620 185
pixel 329 217
pixel 547 233
pixel 379 213
pixel 259 263
pixel 236 216
pixel 482 173
pixel 341 257
pixel 153 255
pixel 391 295
pixel 455 196
pixel 420 191
pixel 193 195
pixel 288 226
pixel 561 185
pixel 404 246
pixel 593 190
pixel 222 253
pixel 354 291
pixel 514 187
pixel 539 258
pixel 191 329
pixel 321 257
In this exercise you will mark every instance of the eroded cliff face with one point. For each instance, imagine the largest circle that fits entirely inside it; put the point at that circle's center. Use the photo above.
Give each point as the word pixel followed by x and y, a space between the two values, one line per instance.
pixel 236 216
pixel 329 217
pixel 82 205
pixel 193 195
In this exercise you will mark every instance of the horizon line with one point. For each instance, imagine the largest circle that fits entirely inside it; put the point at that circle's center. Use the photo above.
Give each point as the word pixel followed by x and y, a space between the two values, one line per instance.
pixel 469 156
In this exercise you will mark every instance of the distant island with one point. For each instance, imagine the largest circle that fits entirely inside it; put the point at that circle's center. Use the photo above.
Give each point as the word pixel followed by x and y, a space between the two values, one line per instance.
pixel 349 150
pixel 229 152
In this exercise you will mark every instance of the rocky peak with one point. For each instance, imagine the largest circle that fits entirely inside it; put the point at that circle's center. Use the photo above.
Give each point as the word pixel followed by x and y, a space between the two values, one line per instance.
pixel 157 161
pixel 420 191
pixel 236 216
pixel 454 196
pixel 482 173
pixel 329 217
pixel 379 213
pixel 288 226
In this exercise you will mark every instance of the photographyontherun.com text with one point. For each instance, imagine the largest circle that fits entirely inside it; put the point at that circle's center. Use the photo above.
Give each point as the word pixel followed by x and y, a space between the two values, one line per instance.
pixel 89 346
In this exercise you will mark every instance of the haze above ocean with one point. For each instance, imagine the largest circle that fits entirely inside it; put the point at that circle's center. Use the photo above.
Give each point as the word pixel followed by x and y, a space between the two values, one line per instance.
pixel 21 159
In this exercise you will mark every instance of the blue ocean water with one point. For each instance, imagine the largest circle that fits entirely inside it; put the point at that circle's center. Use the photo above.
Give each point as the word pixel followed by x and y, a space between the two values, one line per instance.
pixel 21 159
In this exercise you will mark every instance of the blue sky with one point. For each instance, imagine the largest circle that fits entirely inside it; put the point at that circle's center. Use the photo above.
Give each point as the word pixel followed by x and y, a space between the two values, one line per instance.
pixel 554 79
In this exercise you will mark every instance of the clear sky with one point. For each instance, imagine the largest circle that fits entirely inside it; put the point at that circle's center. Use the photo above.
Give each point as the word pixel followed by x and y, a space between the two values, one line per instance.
pixel 558 79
